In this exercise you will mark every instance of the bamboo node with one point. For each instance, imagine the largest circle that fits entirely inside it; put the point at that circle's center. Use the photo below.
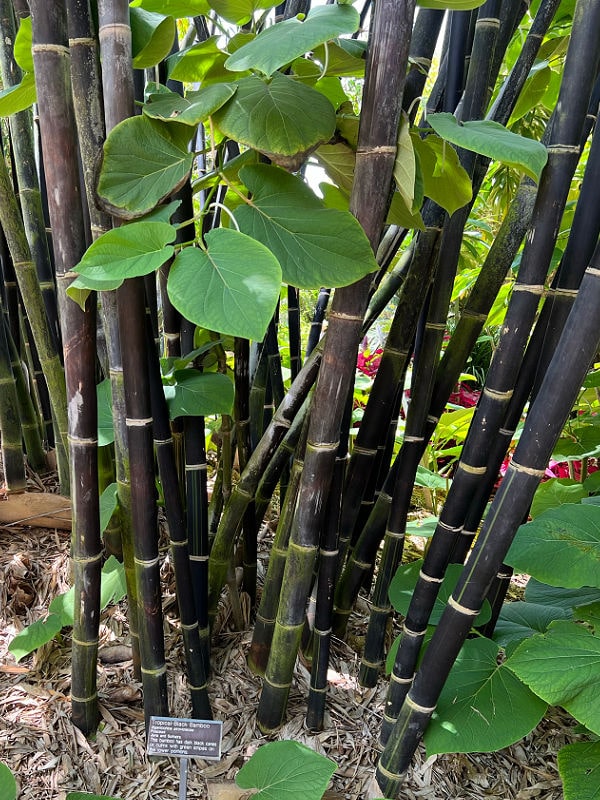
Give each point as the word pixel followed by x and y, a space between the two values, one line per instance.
pixel 532 288
pixel 449 528
pixel 88 41
pixel 470 612
pixel 558 292
pixel 92 440
pixel 416 439
pixel 81 643
pixel 593 271
pixel 564 148
pixel 370 664
pixel 396 679
pixel 383 149
pixel 277 685
pixel 495 395
pixel 47 47
pixel 157 672
pixel 470 469
pixel 92 698
pixel 140 562
pixel 199 559
pixel 538 473
pixel 393 776
pixel 436 326
pixel 418 707
pixel 196 467
pixel 429 578
pixel 163 441
pixel 137 422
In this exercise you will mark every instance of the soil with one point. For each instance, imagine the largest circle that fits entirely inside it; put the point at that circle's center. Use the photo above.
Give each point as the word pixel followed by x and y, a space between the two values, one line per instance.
pixel 50 757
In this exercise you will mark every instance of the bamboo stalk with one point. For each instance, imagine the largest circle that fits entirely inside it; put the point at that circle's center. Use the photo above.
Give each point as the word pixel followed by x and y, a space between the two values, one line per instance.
pixel 13 461
pixel 316 325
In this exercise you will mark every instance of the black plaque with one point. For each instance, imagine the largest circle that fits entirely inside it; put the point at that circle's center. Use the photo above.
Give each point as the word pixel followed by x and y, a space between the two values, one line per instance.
pixel 186 738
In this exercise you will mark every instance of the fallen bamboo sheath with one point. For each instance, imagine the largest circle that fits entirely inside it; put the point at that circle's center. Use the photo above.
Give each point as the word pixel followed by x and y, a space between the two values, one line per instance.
pixel 38 509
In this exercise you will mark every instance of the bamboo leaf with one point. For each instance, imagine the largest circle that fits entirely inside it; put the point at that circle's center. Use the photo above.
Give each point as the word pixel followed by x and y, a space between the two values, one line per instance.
pixel 282 43
pixel 316 246
pixel 199 394
pixel 483 707
pixel 555 492
pixel 35 635
pixel 152 37
pixel 519 620
pixel 23 42
pixel 18 97
pixel 403 584
pixel 493 140
pixel 128 251
pixel 175 8
pixel 452 5
pixel 558 596
pixel 145 161
pixel 280 118
pixel 560 547
pixel 286 770
pixel 579 768
pixel 239 11
pixel 562 667
pixel 444 178
pixel 192 109
pixel 232 288
pixel 8 785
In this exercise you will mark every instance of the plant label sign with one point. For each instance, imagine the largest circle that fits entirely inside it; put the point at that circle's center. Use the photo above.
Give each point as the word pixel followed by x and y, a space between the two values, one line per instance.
pixel 185 738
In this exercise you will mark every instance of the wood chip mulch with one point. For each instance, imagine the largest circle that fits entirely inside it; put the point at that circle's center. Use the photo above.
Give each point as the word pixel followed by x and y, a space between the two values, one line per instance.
pixel 50 757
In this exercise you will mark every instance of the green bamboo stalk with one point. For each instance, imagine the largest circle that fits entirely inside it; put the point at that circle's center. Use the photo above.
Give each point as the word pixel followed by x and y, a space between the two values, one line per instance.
pixel 117 79
pixel 384 82
pixel 59 143
pixel 544 423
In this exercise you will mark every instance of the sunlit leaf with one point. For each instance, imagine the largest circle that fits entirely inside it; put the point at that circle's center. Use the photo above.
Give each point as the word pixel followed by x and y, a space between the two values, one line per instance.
pixel 35 635
pixel 23 41
pixel 175 8
pixel 556 492
pixel 192 109
pixel 199 394
pixel 405 166
pixel 196 63
pixel 152 37
pixel 8 785
pixel 18 97
pixel 444 178
pixel 239 11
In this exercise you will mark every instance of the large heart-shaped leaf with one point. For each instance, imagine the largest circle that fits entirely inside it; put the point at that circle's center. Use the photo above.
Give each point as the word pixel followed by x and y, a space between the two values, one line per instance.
pixel 174 8
pixel 286 771
pixel 232 287
pixel 18 97
pixel 493 140
pixel 128 251
pixel 444 178
pixel 556 492
pixel 192 109
pixel 35 635
pixel 112 589
pixel 521 620
pixel 195 63
pixel 560 547
pixel 282 43
pixel 239 11
pixel 8 785
pixel 483 707
pixel 579 768
pixel 559 597
pixel 562 667
pixel 145 161
pixel 106 430
pixel 199 394
pixel 278 117
pixel 316 246
pixel 152 37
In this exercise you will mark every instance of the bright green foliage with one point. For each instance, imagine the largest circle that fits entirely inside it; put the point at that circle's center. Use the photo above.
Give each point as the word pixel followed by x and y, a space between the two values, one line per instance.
pixel 405 167
pixel 192 109
pixel 35 635
pixel 316 246
pixel 8 785
pixel 199 394
pixel 483 706
pixel 145 161
pixel 86 796
pixel 152 37
pixel 108 505
pixel 453 5
pixel 443 177
pixel 280 118
pixel 282 43
pixel 520 620
pixel 560 547
pixel 286 771
pixel 238 11
pixel 532 93
pixel 558 597
pixel 494 141
pixel 106 429
pixel 18 97
pixel 579 767
pixel 23 41
pixel 404 582
pixel 556 492
pixel 175 8
pixel 582 441
pixel 198 63
pixel 232 287
pixel 562 667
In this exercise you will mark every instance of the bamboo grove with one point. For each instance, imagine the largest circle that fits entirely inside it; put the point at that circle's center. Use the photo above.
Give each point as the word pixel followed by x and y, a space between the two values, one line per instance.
pixel 157 191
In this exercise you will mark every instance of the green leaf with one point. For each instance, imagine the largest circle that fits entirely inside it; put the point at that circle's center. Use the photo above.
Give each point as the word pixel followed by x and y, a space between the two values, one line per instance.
pixel 405 168
pixel 145 161
pixel 583 443
pixel 589 613
pixel 452 5
pixel 519 620
pixel 152 37
pixel 232 288
pixel 286 771
pixel 239 11
pixel 316 246
pixel 18 97
pixel 8 785
pixel 483 707
pixel 431 480
pixel 592 483
pixel 35 635
pixel 560 547
pixel 579 768
pixel 199 394
pixel 280 118
pixel 86 796
pixel 342 59
pixel 106 430
pixel 444 178
pixel 532 93
pixel 562 667
pixel 560 597
pixel 112 590
pixel 175 8
pixel 404 582
pixel 23 42
pixel 129 251
pixel 282 43
pixel 108 505
pixel 556 492
pixel 494 141
pixel 192 109
pixel 422 527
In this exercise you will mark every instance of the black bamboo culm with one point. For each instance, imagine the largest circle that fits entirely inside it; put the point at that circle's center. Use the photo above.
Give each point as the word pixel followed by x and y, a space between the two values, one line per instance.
pixel 391 25
pixel 115 47
pixel 59 144
pixel 295 342
pixel 489 417
pixel 316 325
pixel 544 423
pixel 426 31
pixel 13 460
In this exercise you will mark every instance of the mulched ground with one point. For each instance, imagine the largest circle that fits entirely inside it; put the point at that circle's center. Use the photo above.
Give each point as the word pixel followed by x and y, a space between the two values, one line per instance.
pixel 50 757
